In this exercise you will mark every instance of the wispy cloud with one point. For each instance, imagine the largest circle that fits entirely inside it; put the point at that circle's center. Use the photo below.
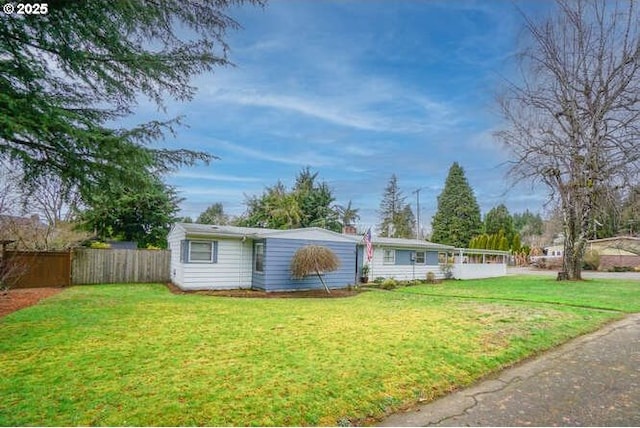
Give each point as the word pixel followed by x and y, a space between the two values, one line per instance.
pixel 292 157
pixel 216 177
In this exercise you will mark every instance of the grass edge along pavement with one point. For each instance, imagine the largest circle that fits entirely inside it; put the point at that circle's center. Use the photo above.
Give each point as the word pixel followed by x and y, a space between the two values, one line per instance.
pixel 139 355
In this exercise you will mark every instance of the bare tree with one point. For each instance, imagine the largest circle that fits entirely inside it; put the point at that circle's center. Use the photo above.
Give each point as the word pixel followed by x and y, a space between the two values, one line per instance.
pixel 51 197
pixel 573 120
pixel 8 190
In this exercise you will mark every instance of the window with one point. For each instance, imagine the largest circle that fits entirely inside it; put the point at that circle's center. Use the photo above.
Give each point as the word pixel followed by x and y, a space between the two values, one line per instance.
pixel 389 257
pixel 420 257
pixel 259 263
pixel 201 252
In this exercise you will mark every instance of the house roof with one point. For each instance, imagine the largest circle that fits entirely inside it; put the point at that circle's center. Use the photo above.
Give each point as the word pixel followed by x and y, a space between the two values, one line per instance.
pixel 401 243
pixel 309 233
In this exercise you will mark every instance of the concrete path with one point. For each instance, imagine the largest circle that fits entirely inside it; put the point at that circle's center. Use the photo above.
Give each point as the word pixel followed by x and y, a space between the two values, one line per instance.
pixel 593 380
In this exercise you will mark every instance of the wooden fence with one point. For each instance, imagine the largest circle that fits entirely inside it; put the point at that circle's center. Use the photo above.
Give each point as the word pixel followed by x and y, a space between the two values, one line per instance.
pixel 29 269
pixel 93 266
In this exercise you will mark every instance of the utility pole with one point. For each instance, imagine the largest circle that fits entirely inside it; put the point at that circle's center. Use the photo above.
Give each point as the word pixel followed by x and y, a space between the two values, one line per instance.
pixel 417 192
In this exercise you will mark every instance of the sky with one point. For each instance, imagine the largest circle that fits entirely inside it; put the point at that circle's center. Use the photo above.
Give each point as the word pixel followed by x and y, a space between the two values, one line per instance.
pixel 358 91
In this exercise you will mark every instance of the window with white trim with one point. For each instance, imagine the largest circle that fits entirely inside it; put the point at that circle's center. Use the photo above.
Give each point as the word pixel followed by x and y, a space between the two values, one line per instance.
pixel 259 259
pixel 389 257
pixel 201 252
pixel 420 257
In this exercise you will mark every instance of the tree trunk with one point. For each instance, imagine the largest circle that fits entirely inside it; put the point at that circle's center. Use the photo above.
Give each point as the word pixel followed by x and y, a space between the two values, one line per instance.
pixel 322 281
pixel 575 240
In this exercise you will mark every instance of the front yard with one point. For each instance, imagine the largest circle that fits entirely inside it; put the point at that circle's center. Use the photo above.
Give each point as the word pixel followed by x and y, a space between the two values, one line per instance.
pixel 139 355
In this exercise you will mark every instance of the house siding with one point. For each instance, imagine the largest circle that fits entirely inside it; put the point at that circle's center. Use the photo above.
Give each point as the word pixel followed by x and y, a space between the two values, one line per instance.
pixel 401 270
pixel 175 236
pixel 231 271
pixel 278 255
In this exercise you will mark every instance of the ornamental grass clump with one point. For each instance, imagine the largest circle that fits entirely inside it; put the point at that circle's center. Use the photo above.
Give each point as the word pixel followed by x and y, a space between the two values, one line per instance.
pixel 314 259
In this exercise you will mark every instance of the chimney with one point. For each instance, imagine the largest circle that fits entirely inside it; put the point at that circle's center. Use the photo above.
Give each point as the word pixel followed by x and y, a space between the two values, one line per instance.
pixel 348 230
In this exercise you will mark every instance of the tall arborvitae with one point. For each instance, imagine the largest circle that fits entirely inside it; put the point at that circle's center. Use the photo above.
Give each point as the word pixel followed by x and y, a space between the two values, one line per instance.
pixel 457 219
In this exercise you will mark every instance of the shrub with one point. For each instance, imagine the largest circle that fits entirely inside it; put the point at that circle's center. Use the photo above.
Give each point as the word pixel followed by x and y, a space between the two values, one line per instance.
pixel 447 270
pixel 431 278
pixel 621 269
pixel 389 284
pixel 379 280
pixel 314 259
pixel 99 245
pixel 591 260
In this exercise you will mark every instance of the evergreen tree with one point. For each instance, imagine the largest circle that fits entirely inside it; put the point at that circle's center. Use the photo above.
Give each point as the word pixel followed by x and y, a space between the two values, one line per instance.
pixel 67 77
pixel 405 223
pixel 497 219
pixel 528 223
pixel 308 204
pixel 457 218
pixel 516 244
pixel 142 214
pixel 214 214
pixel 396 217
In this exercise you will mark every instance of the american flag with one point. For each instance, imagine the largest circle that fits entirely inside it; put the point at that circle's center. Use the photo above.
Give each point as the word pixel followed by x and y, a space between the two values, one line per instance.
pixel 367 240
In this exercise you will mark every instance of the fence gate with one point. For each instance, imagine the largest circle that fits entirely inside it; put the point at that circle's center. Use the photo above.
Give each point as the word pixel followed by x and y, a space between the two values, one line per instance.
pixel 31 269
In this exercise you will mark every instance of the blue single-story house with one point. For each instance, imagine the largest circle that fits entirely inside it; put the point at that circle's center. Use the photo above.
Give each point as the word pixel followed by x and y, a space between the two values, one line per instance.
pixel 209 257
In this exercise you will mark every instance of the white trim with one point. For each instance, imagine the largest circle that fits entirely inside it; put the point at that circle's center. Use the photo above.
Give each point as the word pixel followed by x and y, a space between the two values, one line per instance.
pixel 255 261
pixel 384 256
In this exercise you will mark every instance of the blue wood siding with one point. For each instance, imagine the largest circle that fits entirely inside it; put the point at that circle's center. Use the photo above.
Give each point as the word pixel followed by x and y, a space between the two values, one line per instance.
pixel 277 273
pixel 432 258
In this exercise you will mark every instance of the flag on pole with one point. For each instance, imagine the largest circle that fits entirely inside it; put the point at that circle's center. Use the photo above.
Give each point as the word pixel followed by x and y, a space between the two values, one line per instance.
pixel 367 241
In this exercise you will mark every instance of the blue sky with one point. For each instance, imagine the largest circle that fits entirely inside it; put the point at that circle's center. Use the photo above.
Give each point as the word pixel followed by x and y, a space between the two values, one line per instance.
pixel 357 90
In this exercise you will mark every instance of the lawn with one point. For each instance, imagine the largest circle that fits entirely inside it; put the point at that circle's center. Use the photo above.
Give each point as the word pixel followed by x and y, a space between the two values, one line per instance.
pixel 139 355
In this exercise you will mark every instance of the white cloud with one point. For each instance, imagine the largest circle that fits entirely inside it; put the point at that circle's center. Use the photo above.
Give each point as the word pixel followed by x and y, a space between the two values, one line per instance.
pixel 216 177
pixel 306 157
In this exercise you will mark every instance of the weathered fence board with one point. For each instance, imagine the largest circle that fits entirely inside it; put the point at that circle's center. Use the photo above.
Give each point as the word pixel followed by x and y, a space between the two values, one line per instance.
pixel 97 266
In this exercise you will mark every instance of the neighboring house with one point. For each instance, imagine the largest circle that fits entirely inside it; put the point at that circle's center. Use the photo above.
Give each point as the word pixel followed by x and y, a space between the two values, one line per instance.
pixel 209 257
pixel 554 250
pixel 402 259
pixel 26 232
pixel 619 251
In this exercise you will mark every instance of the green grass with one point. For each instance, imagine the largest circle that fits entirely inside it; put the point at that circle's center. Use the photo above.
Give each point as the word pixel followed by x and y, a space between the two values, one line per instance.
pixel 618 295
pixel 139 355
